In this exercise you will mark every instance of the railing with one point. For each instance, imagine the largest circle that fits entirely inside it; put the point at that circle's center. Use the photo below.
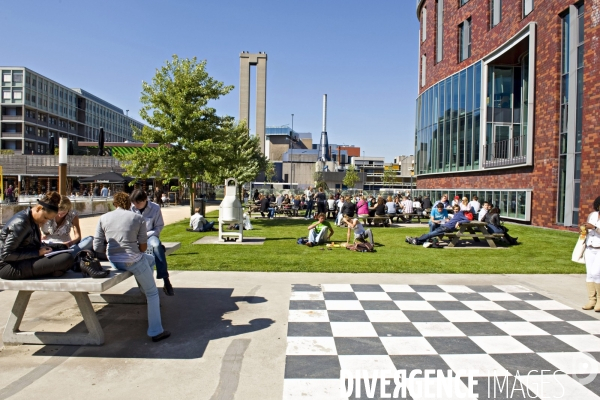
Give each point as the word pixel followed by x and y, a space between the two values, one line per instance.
pixel 505 152
pixel 12 117
pixel 77 165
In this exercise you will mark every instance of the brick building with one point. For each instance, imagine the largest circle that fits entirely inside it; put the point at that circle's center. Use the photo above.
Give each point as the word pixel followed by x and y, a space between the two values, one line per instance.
pixel 508 106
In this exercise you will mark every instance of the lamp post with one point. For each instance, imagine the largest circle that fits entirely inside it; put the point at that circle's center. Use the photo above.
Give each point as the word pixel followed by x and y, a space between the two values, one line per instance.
pixel 63 149
pixel 292 157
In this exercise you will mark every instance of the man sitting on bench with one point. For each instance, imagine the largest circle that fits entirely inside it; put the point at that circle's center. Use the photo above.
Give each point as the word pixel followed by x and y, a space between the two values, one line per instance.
pixel 407 208
pixel 450 226
pixel 154 225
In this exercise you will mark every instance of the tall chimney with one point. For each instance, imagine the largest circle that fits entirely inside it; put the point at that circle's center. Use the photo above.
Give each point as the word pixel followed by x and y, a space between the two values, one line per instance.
pixel 324 144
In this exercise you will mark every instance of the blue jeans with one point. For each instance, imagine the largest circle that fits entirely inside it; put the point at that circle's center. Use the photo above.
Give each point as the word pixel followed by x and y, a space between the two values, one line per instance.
pixel 84 244
pixel 436 232
pixel 309 209
pixel 493 229
pixel 159 256
pixel 207 227
pixel 317 238
pixel 142 270
pixel 271 212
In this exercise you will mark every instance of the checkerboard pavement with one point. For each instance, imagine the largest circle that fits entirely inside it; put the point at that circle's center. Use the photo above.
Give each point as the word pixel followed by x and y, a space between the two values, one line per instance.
pixel 509 329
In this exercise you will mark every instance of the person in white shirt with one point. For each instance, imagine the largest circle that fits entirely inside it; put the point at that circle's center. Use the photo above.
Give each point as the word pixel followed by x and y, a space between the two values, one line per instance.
pixel 464 204
pixel 456 201
pixel 279 200
pixel 199 224
pixel 592 257
pixel 484 209
pixel 340 204
pixel 474 203
pixel 407 208
pixel 360 233
pixel 390 206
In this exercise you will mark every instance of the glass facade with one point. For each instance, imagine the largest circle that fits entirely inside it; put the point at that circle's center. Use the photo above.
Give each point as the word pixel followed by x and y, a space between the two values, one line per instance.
pixel 571 115
pixel 448 124
pixel 513 204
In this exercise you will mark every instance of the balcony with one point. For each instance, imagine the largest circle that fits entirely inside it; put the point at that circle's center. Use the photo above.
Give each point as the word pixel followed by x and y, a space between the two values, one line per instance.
pixel 12 118
pixel 505 153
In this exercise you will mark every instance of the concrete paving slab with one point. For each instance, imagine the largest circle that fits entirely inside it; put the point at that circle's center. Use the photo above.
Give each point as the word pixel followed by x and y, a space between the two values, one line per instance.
pixel 248 241
pixel 209 314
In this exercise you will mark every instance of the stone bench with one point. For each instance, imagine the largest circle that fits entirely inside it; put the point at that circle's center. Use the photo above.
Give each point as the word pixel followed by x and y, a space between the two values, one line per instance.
pixel 80 288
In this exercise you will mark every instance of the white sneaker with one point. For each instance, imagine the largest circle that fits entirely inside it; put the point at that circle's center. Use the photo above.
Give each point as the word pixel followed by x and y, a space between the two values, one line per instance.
pixel 427 244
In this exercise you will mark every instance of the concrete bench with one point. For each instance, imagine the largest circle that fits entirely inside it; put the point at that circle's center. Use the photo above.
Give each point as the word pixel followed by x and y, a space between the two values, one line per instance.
pixel 80 288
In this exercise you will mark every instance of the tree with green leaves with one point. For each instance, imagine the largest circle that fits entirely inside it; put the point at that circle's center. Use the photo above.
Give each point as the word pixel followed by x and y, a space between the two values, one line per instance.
pixel 320 180
pixel 269 171
pixel 179 118
pixel 351 176
pixel 240 156
pixel 389 176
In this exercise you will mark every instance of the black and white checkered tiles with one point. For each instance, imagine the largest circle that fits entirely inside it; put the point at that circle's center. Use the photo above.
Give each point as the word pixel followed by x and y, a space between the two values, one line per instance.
pixel 507 329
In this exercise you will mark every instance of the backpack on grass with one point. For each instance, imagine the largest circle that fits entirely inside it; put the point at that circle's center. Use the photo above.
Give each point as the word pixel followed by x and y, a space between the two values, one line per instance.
pixel 362 247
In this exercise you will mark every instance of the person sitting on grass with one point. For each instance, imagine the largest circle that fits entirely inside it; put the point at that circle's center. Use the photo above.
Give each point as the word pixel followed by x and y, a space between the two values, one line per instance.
pixel 360 233
pixel 199 224
pixel 450 226
pixel 439 215
pixel 320 231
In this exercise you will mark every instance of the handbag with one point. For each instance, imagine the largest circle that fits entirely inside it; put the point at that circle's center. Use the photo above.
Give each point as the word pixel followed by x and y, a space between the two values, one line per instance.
pixel 578 255
pixel 90 265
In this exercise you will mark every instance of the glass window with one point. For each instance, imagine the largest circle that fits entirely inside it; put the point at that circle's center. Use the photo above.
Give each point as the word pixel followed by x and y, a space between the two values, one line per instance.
pixel 464 41
pixel 527 7
pixel 495 12
pixel 6 94
pixel 18 77
pixel 463 2
pixel 439 34
pixel 6 77
pixel 17 95
pixel 423 24
pixel 423 69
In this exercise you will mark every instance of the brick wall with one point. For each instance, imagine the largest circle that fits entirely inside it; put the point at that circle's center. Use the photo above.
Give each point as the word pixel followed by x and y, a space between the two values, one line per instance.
pixel 543 176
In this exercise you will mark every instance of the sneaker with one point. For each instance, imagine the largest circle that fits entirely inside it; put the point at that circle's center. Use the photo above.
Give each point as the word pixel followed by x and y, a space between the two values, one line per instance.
pixel 309 244
pixel 408 239
pixel 413 241
pixel 427 244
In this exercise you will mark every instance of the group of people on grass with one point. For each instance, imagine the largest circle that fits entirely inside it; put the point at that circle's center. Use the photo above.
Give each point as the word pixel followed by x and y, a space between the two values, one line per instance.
pixel 445 217
pixel 123 237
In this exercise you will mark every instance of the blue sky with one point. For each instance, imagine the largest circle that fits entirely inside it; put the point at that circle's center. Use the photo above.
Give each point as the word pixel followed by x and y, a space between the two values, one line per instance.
pixel 363 54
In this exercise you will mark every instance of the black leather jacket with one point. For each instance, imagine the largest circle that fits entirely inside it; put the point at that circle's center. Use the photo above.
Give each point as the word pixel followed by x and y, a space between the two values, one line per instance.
pixel 20 238
pixel 492 219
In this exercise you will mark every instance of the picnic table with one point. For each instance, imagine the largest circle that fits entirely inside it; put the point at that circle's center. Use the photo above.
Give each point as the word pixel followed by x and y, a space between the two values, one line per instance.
pixel 474 231
pixel 85 291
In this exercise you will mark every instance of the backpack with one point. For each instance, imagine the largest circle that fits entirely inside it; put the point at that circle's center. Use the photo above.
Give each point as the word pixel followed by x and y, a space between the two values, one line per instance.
pixel 362 247
pixel 469 215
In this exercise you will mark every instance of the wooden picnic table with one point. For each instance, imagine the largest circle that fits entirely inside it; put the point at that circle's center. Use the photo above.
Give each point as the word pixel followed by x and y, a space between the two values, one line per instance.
pixel 475 231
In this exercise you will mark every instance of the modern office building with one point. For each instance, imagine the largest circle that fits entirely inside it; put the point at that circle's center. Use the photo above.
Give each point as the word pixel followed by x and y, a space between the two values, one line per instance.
pixel 507 106
pixel 35 108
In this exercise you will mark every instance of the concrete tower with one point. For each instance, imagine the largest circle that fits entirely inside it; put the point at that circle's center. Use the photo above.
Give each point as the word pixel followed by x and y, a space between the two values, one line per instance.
pixel 260 60
pixel 324 143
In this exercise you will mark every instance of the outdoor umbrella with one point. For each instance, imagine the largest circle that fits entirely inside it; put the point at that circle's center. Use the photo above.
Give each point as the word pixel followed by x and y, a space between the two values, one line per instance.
pixel 51 146
pixel 101 142
pixel 70 148
pixel 107 177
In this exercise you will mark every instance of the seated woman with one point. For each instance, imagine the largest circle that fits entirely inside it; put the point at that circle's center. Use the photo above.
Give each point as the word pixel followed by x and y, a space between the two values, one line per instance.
pixel 362 207
pixel 492 219
pixel 58 229
pixel 21 250
pixel 126 235
pixel 296 205
pixel 360 233
pixel 390 207
pixel 380 209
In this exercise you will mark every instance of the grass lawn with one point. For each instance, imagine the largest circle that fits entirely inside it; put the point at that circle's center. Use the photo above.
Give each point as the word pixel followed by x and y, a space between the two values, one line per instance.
pixel 541 251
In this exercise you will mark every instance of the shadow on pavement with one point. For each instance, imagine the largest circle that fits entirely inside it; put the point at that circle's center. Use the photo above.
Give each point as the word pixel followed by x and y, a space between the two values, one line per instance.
pixel 193 316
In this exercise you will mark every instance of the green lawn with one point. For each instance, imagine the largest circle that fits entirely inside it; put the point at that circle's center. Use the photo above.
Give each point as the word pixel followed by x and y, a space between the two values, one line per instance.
pixel 541 251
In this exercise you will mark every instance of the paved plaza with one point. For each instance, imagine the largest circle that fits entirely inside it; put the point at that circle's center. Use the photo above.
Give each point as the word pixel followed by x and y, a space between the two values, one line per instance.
pixel 244 335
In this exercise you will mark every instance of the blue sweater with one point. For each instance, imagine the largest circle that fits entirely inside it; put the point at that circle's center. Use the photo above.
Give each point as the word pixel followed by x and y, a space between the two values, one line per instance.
pixel 458 217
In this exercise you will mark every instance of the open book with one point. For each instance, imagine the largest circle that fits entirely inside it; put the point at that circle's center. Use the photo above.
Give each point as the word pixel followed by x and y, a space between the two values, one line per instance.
pixel 53 253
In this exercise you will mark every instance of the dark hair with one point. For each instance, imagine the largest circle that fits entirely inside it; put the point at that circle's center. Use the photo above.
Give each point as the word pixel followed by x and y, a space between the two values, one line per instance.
pixel 321 215
pixel 486 202
pixel 121 199
pixel 440 205
pixel 495 210
pixel 50 201
pixel 138 195
pixel 597 203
